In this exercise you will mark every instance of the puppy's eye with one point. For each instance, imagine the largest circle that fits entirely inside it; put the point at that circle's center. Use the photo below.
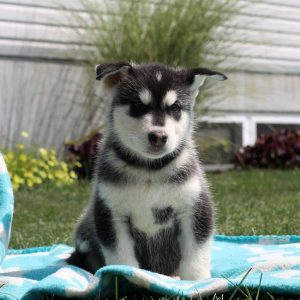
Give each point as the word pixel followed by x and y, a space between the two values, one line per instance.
pixel 138 104
pixel 175 107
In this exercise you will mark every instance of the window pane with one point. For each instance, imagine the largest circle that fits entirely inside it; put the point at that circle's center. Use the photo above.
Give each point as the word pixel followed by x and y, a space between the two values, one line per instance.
pixel 217 142
pixel 268 128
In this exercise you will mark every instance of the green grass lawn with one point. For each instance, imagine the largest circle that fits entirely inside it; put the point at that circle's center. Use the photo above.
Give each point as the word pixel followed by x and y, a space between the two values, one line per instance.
pixel 257 202
pixel 248 202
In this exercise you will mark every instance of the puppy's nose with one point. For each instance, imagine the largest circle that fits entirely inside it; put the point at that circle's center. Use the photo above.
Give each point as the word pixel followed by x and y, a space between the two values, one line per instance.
pixel 157 138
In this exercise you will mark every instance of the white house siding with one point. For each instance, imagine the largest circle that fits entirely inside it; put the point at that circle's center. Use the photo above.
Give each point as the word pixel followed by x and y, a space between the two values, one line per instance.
pixel 43 99
pixel 41 88
pixel 37 34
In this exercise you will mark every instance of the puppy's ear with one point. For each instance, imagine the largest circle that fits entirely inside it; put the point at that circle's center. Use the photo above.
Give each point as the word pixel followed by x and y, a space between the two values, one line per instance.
pixel 112 73
pixel 197 76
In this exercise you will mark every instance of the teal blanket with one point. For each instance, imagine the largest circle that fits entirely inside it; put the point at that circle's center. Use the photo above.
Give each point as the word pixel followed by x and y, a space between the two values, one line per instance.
pixel 272 262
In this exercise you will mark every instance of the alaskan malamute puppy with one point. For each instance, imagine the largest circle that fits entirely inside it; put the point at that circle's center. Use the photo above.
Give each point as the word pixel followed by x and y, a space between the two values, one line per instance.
pixel 150 206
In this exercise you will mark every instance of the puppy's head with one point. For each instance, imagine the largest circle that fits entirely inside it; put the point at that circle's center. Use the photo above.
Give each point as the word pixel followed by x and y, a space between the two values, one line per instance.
pixel 152 104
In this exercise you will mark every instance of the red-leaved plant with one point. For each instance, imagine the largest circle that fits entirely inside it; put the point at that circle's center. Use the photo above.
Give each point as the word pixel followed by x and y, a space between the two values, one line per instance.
pixel 84 153
pixel 279 149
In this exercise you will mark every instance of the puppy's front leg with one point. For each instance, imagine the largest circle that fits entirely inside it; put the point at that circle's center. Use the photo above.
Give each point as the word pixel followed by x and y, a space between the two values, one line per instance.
pixel 195 262
pixel 123 251
pixel 196 240
pixel 113 234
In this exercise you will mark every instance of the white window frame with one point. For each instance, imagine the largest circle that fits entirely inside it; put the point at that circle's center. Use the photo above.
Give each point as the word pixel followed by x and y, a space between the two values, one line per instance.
pixel 249 122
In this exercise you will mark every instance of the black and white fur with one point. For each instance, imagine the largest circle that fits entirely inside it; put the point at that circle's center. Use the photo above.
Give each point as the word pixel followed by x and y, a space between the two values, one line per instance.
pixel 150 205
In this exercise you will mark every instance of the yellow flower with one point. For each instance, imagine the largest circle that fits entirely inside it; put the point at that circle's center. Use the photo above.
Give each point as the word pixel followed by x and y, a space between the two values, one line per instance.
pixel 30 184
pixel 50 176
pixel 46 167
pixel 20 146
pixel 78 164
pixel 64 166
pixel 9 157
pixel 43 174
pixel 38 180
pixel 59 175
pixel 28 175
pixel 52 163
pixel 73 175
pixel 25 134
pixel 17 179
pixel 34 170
pixel 53 152
pixel 23 158
pixel 43 151
pixel 42 164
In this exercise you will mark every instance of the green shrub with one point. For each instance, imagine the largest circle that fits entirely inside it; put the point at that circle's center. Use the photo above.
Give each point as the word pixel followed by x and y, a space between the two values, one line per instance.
pixel 32 167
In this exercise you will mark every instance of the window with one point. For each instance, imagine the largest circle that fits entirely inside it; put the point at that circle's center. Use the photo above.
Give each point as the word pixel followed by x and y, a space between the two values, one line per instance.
pixel 268 128
pixel 217 142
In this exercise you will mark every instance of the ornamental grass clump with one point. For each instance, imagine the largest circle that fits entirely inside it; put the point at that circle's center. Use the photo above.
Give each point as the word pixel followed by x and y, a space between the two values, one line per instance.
pixel 188 33
pixel 30 167
pixel 174 32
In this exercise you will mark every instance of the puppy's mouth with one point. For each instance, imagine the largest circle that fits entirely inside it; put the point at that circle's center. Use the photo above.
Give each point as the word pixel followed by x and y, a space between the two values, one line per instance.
pixel 155 151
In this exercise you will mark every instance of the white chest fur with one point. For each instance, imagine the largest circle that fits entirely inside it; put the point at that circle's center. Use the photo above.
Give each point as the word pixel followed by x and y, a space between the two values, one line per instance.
pixel 138 200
